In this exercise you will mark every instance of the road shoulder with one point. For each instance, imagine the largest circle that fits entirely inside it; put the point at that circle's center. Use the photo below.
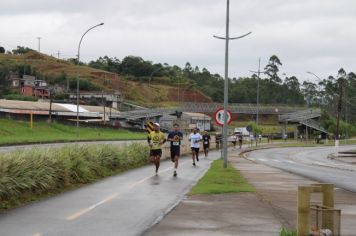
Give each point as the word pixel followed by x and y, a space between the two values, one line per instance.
pixel 265 212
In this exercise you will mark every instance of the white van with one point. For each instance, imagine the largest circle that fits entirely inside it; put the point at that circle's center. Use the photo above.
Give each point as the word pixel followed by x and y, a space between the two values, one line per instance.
pixel 242 130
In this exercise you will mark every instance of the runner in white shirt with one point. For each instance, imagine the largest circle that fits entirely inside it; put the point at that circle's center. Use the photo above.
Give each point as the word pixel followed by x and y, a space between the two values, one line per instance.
pixel 195 139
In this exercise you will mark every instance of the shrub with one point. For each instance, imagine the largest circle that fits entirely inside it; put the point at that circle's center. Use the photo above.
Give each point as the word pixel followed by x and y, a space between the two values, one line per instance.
pixel 27 174
pixel 21 97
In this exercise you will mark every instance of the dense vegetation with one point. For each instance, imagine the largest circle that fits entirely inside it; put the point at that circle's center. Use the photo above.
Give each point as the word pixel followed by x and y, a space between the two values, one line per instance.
pixel 28 174
pixel 273 88
pixel 327 93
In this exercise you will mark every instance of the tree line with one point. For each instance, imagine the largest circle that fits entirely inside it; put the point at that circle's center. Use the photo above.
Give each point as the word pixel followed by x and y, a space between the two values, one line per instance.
pixel 274 89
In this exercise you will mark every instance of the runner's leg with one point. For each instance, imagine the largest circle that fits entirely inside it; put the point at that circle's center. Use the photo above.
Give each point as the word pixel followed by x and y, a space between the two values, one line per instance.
pixel 197 153
pixel 157 162
pixel 193 156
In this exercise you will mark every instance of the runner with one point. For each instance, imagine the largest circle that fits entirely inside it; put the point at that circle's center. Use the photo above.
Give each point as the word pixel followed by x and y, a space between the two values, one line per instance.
pixel 240 141
pixel 233 140
pixel 206 143
pixel 175 137
pixel 157 138
pixel 194 139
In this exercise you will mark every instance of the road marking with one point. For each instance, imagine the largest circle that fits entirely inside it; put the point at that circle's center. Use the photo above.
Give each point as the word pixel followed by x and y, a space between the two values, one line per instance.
pixel 292 162
pixel 37 234
pixel 86 210
pixel 276 160
pixel 111 197
pixel 261 159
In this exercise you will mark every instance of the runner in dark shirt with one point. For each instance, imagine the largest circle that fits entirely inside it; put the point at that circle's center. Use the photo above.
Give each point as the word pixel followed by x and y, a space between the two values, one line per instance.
pixel 206 143
pixel 175 137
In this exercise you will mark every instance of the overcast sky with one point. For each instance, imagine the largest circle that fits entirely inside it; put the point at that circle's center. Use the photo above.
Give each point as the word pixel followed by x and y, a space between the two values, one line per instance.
pixel 307 35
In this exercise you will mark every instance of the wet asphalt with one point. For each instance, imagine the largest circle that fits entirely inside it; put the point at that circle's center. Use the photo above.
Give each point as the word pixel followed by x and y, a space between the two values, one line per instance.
pixel 125 204
pixel 312 163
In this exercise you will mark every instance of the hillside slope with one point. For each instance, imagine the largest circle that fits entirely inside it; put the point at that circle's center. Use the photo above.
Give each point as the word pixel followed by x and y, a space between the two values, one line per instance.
pixel 56 71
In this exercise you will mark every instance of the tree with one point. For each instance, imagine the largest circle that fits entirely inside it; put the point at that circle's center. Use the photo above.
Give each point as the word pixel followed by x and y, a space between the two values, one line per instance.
pixel 310 92
pixel 2 50
pixel 272 69
pixel 21 50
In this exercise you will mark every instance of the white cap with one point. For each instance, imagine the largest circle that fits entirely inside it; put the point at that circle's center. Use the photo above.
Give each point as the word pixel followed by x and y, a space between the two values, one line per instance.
pixel 156 124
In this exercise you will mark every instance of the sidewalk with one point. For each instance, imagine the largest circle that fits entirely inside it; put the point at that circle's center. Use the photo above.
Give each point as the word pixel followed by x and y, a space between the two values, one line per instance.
pixel 263 213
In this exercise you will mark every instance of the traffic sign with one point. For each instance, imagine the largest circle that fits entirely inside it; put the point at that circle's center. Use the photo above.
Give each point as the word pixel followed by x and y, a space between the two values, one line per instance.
pixel 219 117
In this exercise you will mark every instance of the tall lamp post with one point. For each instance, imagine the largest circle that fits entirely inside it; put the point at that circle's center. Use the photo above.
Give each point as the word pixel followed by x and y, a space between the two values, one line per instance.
pixel 156 70
pixel 339 108
pixel 226 84
pixel 78 59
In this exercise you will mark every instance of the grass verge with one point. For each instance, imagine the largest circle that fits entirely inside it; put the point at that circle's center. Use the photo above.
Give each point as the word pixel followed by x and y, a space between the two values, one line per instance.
pixel 28 175
pixel 219 180
pixel 286 232
pixel 19 132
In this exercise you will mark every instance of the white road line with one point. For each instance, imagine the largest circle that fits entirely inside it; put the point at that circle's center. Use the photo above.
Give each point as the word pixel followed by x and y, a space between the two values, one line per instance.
pixel 261 159
pixel 86 210
pixel 292 162
pixel 115 195
pixel 276 160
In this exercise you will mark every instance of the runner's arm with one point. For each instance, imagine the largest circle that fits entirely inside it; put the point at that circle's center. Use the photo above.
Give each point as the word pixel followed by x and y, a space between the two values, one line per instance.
pixel 164 140
pixel 149 140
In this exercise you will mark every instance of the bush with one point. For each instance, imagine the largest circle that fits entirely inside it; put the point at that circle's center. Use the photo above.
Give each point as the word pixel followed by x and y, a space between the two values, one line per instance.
pixel 286 232
pixel 25 175
pixel 20 97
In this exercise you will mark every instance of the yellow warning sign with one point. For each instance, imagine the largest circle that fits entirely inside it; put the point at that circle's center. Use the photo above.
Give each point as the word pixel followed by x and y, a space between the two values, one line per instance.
pixel 149 127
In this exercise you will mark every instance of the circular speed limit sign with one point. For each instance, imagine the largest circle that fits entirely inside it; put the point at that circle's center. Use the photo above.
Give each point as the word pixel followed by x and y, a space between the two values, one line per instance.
pixel 219 117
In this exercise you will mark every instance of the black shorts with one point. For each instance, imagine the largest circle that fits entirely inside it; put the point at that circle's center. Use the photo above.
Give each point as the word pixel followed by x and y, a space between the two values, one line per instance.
pixel 196 150
pixel 234 142
pixel 206 146
pixel 175 151
pixel 156 152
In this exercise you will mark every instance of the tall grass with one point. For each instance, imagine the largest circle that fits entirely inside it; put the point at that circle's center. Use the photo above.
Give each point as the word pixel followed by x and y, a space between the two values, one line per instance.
pixel 29 174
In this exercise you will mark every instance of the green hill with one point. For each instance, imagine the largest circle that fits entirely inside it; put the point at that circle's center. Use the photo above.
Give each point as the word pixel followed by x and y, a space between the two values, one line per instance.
pixel 63 72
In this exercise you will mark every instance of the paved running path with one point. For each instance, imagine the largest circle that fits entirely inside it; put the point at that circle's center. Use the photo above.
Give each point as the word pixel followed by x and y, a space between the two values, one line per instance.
pixel 126 204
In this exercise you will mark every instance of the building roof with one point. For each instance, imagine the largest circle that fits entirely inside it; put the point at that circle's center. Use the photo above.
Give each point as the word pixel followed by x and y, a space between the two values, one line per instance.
pixel 40 107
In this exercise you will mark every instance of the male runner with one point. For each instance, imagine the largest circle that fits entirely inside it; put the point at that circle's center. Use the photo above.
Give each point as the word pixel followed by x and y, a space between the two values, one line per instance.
pixel 206 143
pixel 240 141
pixel 195 139
pixel 155 140
pixel 175 137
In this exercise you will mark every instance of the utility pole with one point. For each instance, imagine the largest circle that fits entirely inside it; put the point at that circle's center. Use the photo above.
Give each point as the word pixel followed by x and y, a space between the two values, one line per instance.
pixel 58 53
pixel 226 84
pixel 258 90
pixel 258 93
pixel 339 108
pixel 39 44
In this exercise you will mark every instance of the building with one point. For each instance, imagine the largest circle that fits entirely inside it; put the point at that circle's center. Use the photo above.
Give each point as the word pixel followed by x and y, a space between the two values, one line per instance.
pixel 28 85
pixel 188 121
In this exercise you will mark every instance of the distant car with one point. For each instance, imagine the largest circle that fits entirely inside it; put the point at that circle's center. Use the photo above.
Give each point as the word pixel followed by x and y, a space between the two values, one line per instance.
pixel 242 130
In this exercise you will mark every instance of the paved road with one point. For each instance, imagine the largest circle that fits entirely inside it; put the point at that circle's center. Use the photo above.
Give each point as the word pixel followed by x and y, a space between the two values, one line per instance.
pixel 310 162
pixel 126 204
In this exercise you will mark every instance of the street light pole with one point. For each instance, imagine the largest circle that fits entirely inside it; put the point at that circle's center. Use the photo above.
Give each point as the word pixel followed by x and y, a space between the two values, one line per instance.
pixel 149 80
pixel 226 84
pixel 78 59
